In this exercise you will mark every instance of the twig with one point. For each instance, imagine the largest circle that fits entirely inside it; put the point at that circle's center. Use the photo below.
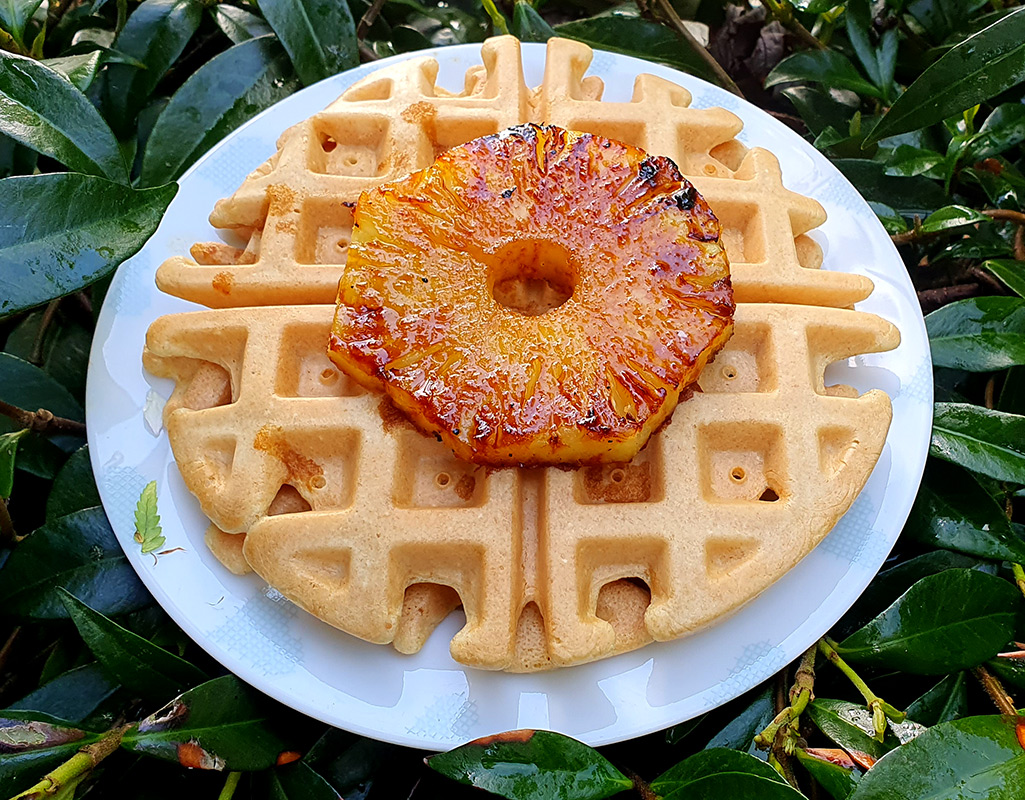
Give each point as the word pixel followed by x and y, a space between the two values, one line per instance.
pixel 640 785
pixel 1005 215
pixel 76 767
pixel 931 299
pixel 36 356
pixel 781 733
pixel 229 786
pixel 677 23
pixel 5 651
pixel 881 710
pixel 1019 243
pixel 366 54
pixel 42 421
pixel 369 18
pixel 784 12
pixel 8 536
pixel 996 691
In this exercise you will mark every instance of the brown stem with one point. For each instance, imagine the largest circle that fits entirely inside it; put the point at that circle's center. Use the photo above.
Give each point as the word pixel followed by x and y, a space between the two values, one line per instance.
pixel 42 421
pixel 36 356
pixel 674 19
pixel 640 785
pixel 1019 243
pixel 366 54
pixel 369 18
pixel 996 691
pixel 5 651
pixel 1005 215
pixel 931 299
pixel 988 395
pixel 8 536
pixel 76 767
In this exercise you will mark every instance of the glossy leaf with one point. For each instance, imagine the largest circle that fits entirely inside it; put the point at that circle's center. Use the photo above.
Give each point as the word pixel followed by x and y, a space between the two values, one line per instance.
pixel 1011 671
pixel 945 701
pixel 220 725
pixel 980 758
pixel 528 25
pixel 916 195
pixel 739 733
pixel 61 232
pixel 532 764
pixel 1011 274
pixel 640 38
pixel 79 552
pixel 838 776
pixel 950 621
pixel 134 662
pixel 237 24
pixel 1003 129
pixel 713 774
pixel 42 109
pixel 940 18
pixel 299 781
pixel 72 696
pixel 990 442
pixel 74 487
pixel 80 70
pixel 980 67
pixel 980 334
pixel 849 725
pixel 827 67
pixel 155 35
pixel 33 743
pixel 222 94
pixel 15 14
pixel 954 512
pixel 906 161
pixel 319 35
pixel 952 217
pixel 349 762
pixel 8 454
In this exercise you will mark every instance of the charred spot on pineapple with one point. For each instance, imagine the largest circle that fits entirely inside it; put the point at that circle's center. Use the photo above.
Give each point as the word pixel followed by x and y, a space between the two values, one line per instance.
pixel 557 321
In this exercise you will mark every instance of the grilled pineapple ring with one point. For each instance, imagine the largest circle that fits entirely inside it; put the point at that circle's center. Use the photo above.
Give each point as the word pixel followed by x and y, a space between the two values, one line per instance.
pixel 536 296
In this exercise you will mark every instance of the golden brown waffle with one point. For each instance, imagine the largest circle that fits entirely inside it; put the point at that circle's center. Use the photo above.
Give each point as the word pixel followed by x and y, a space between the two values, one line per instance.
pixel 293 210
pixel 759 465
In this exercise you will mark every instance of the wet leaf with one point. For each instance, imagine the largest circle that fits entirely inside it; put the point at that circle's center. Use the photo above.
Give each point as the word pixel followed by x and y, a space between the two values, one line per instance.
pixel 980 334
pixel 828 67
pixel 222 94
pixel 42 109
pixel 834 775
pixel 8 453
pixel 72 696
pixel 134 662
pixel 976 757
pixel 908 196
pixel 849 725
pixel 147 521
pixel 74 487
pixel 155 35
pixel 990 442
pixel 945 701
pixel 61 232
pixel 740 732
pixel 32 743
pixel 1002 130
pixel 299 781
pixel 319 35
pixel 954 512
pixel 80 70
pixel 952 217
pixel 906 161
pixel 237 24
pixel 532 764
pixel 713 774
pixel 350 762
pixel 220 725
pixel 980 67
pixel 1011 274
pixel 946 622
pixel 15 14
pixel 78 552
pixel 528 25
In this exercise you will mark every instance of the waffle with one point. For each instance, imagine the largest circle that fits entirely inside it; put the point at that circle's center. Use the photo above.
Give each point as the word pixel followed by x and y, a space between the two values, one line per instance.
pixel 333 498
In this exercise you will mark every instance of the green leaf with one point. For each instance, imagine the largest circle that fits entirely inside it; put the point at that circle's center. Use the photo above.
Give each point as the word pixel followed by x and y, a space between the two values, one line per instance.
pixel 1011 274
pixel 498 20
pixel 42 109
pixel 80 70
pixel 985 441
pixel 890 219
pixel 1009 670
pixel 980 334
pixel 713 774
pixel 8 452
pixel 61 232
pixel 906 161
pixel 908 196
pixel 532 764
pixel 940 18
pixel 14 16
pixel 1002 130
pixel 819 109
pixel 155 35
pixel 950 621
pixel 828 67
pixel 849 725
pixel 134 662
pixel 78 552
pixel 33 743
pixel 73 696
pixel 980 67
pixel 952 511
pixel 641 38
pixel 319 35
pixel 739 733
pixel 222 724
pixel 858 19
pixel 349 762
pixel 299 781
pixel 838 780
pixel 945 701
pixel 222 94
pixel 951 217
pixel 976 757
pixel 74 487
pixel 237 24
pixel 147 521
pixel 528 25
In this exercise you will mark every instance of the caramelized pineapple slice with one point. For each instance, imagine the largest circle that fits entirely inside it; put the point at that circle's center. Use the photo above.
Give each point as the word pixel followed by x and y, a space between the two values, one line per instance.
pixel 537 296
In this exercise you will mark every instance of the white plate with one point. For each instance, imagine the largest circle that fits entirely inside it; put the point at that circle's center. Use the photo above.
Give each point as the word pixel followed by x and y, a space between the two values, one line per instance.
pixel 427 700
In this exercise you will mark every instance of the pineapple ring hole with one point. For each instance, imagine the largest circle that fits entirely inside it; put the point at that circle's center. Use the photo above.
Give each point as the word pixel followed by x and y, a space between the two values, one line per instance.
pixel 318 482
pixel 442 479
pixel 530 277
pixel 737 474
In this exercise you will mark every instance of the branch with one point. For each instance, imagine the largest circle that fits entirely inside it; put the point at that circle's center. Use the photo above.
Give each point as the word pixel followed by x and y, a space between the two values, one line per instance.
pixel 996 691
pixel 42 421
pixel 8 536
pixel 366 54
pixel 228 792
pixel 677 23
pixel 881 710
pixel 76 767
pixel 368 19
